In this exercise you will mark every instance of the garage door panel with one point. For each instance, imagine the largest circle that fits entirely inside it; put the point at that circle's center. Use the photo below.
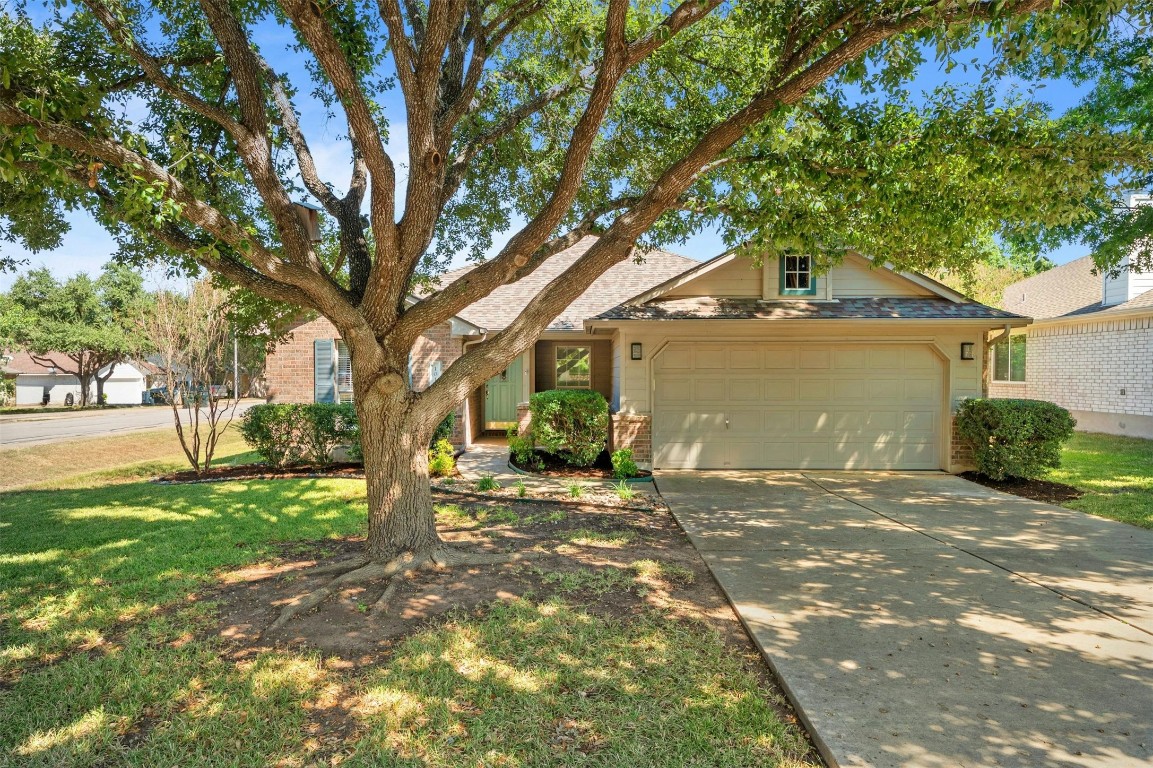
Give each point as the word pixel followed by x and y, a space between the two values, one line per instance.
pixel 674 390
pixel 710 390
pixel 780 359
pixel 921 390
pixel 711 359
pixel 919 422
pixel 852 406
pixel 675 359
pixel 745 423
pixel 745 390
pixel 813 389
pixel 745 358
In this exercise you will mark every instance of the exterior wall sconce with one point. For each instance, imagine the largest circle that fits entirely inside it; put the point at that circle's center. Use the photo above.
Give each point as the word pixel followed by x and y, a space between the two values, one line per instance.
pixel 637 352
pixel 966 350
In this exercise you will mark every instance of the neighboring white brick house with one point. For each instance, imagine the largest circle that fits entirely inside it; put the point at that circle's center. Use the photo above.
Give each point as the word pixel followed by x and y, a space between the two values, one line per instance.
pixel 1089 349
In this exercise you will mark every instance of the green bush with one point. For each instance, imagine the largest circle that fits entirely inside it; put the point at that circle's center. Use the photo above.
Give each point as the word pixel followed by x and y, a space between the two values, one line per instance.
pixel 572 423
pixel 1014 438
pixel 443 430
pixel 623 464
pixel 324 426
pixel 440 459
pixel 270 430
pixel 521 450
pixel 288 433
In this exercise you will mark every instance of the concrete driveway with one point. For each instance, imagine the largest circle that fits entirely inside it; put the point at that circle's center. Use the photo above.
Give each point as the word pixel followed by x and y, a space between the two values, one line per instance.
pixel 918 619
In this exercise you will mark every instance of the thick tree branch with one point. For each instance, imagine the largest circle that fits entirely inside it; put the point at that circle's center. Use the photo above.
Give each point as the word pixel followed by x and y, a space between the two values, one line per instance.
pixel 154 71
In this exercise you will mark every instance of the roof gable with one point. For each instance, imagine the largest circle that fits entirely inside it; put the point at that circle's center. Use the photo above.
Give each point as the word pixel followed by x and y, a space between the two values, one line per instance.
pixel 730 276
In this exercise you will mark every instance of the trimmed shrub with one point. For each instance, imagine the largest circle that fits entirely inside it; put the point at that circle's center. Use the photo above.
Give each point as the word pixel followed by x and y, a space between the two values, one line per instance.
pixel 572 423
pixel 623 464
pixel 324 426
pixel 270 430
pixel 1014 438
pixel 288 433
pixel 441 462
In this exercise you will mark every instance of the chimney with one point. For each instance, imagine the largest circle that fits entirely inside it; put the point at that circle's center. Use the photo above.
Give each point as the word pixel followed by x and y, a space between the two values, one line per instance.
pixel 1128 284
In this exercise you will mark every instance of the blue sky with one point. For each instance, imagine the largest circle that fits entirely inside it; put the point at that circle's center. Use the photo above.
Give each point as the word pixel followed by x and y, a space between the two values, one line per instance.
pixel 87 247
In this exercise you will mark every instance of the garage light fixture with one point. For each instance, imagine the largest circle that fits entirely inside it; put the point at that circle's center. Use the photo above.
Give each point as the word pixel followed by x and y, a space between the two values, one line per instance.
pixel 637 352
pixel 966 350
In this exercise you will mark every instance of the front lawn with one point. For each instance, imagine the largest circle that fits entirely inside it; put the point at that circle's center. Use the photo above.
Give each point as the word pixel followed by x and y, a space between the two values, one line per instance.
pixel 1115 473
pixel 123 606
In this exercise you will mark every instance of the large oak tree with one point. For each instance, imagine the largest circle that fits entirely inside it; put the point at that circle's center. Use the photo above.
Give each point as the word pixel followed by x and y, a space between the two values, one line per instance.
pixel 783 123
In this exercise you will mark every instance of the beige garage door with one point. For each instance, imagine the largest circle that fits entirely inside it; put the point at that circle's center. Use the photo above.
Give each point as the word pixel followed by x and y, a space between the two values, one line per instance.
pixel 797 406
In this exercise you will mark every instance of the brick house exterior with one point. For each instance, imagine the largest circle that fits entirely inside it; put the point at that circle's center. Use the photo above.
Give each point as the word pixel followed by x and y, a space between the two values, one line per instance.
pixel 1084 353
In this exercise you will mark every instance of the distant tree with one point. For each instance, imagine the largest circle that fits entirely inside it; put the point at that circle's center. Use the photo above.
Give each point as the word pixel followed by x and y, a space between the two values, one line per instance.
pixel 985 280
pixel 92 323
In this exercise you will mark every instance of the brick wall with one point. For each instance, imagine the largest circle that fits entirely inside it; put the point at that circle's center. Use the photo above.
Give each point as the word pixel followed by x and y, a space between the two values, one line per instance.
pixel 960 454
pixel 290 370
pixel 633 430
pixel 1085 367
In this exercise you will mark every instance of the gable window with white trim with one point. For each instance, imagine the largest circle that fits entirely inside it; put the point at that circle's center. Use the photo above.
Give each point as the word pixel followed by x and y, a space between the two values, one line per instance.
pixel 797 276
pixel 574 367
pixel 1009 359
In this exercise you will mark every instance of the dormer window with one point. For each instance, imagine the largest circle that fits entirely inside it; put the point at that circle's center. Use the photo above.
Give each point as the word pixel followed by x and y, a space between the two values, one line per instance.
pixel 797 276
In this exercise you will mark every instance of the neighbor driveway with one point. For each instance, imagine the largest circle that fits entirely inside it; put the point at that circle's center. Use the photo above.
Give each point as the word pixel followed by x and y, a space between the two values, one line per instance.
pixel 918 619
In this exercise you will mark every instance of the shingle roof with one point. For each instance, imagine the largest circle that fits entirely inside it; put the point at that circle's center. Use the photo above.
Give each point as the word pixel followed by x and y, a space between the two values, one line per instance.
pixel 620 283
pixel 919 308
pixel 22 362
pixel 1065 290
pixel 1069 290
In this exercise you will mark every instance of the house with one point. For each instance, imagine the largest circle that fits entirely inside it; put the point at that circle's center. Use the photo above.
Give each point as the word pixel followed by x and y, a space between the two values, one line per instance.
pixel 721 364
pixel 1088 349
pixel 36 379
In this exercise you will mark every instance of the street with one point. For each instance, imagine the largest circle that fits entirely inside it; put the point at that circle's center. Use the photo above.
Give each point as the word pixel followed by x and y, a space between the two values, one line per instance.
pixel 33 429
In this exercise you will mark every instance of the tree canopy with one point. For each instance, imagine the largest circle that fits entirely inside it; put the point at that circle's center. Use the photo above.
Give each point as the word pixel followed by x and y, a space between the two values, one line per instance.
pixel 507 130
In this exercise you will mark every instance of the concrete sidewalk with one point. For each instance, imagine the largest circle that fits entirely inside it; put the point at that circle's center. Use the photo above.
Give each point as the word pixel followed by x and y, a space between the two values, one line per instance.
pixel 917 619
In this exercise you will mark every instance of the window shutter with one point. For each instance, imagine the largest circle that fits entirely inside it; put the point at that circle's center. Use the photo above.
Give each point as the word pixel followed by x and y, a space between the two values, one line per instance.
pixel 324 357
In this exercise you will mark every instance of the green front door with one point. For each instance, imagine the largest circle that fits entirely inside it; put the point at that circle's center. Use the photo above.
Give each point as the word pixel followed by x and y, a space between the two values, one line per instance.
pixel 501 395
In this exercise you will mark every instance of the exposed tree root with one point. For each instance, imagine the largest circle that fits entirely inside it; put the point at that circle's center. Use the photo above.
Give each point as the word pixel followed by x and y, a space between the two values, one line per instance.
pixel 361 570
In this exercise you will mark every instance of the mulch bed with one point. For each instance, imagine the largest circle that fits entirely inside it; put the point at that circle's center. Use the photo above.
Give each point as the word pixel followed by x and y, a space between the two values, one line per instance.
pixel 262 472
pixel 552 465
pixel 1037 490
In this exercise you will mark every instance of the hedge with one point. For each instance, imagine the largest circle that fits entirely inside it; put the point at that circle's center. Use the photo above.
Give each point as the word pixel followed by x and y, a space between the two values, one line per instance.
pixel 289 433
pixel 1014 438
pixel 571 423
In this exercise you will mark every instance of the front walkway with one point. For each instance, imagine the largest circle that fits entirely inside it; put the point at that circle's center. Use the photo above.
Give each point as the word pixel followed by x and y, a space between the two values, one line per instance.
pixel 488 457
pixel 917 619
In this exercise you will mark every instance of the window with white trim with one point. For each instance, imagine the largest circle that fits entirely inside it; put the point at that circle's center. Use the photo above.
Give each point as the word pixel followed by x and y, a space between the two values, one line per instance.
pixel 343 373
pixel 1009 359
pixel 797 276
pixel 574 367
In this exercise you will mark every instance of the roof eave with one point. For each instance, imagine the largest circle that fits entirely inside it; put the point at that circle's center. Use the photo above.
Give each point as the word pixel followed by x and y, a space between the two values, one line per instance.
pixel 988 322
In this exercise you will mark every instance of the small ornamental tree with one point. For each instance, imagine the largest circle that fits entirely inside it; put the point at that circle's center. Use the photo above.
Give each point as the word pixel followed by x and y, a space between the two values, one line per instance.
pixel 783 123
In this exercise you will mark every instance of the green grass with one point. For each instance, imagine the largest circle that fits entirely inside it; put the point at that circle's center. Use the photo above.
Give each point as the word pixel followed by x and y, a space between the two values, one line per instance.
pixel 106 661
pixel 1116 474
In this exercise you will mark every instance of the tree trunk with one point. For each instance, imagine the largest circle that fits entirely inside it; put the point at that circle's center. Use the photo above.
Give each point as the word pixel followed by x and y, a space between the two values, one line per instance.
pixel 85 388
pixel 395 445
